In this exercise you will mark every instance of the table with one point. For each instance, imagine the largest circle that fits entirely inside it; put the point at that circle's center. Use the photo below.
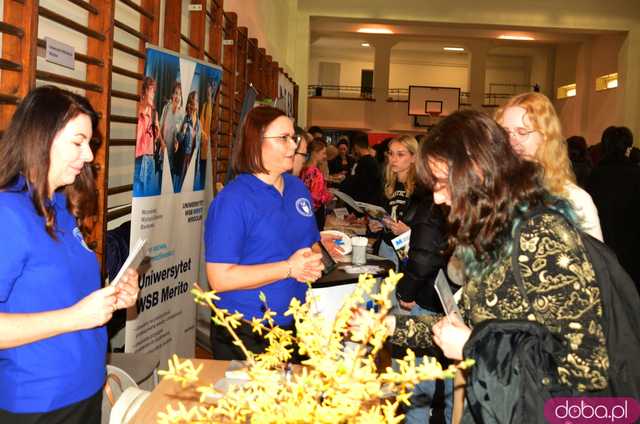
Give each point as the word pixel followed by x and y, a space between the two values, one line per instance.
pixel 333 223
pixel 330 291
pixel 339 277
pixel 170 393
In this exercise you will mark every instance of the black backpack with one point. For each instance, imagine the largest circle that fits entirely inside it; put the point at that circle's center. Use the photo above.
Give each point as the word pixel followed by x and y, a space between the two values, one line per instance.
pixel 515 373
pixel 620 305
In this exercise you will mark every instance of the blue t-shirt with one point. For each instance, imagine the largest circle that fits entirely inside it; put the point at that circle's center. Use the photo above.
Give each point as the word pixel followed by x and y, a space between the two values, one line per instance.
pixel 40 274
pixel 249 223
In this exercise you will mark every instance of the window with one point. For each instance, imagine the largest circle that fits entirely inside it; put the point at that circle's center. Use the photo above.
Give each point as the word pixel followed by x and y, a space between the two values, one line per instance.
pixel 606 82
pixel 565 91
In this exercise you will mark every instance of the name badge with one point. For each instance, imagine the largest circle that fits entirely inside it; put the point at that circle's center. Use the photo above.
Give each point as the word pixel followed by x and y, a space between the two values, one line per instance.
pixel 402 240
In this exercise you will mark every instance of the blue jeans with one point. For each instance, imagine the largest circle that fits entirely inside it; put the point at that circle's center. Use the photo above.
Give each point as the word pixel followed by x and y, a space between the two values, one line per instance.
pixel 145 181
pixel 388 252
pixel 420 409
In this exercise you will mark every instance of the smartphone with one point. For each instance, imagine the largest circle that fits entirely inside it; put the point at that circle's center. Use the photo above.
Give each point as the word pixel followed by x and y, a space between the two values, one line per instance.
pixel 449 304
pixel 327 260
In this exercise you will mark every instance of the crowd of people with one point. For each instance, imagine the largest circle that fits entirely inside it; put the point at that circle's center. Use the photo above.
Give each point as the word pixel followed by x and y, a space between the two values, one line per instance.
pixel 503 200
pixel 464 191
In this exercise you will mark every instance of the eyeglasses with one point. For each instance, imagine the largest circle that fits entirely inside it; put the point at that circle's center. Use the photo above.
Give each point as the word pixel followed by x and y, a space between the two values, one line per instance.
pixel 284 138
pixel 300 153
pixel 519 133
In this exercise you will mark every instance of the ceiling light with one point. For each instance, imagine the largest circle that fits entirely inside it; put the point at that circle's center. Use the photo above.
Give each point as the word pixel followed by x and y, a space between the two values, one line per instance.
pixel 365 45
pixel 516 37
pixel 375 31
pixel 453 49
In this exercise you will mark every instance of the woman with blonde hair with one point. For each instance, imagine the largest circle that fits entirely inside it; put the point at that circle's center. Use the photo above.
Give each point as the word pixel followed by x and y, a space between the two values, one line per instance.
pixel 392 173
pixel 412 208
pixel 535 133
pixel 400 192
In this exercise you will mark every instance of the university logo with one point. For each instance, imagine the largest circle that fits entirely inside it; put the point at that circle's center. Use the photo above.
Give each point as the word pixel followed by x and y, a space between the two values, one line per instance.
pixel 303 206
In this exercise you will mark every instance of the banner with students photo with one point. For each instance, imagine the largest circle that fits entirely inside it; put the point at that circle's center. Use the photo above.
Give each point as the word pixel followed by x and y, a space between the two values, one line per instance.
pixel 171 162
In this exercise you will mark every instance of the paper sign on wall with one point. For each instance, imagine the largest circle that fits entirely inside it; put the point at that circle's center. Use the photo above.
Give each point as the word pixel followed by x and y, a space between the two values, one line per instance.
pixel 59 53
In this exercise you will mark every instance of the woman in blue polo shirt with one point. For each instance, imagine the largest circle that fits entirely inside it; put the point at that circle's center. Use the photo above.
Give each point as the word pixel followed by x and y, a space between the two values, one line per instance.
pixel 53 341
pixel 260 230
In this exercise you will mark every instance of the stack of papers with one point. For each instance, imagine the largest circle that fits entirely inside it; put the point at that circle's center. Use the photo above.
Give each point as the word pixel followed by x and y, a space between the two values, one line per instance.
pixel 373 211
pixel 362 269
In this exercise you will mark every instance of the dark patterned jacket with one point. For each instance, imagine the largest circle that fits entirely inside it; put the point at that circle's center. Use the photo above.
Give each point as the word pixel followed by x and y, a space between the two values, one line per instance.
pixel 561 286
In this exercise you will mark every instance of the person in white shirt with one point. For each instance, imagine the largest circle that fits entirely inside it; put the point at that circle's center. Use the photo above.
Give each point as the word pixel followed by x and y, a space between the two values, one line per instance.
pixel 535 133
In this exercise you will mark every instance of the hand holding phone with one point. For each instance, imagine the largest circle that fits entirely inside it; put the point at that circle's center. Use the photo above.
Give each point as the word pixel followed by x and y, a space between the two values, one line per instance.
pixel 327 260
pixel 449 304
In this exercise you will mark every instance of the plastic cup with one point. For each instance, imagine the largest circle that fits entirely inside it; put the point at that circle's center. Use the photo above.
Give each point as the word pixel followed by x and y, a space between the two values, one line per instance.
pixel 359 250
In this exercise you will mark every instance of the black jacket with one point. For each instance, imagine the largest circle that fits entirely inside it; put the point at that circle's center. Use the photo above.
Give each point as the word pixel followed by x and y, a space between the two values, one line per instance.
pixel 614 186
pixel 582 169
pixel 405 208
pixel 336 166
pixel 425 255
pixel 365 184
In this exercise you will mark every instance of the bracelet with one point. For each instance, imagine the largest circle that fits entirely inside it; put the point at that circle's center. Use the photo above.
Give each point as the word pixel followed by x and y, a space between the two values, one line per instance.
pixel 289 269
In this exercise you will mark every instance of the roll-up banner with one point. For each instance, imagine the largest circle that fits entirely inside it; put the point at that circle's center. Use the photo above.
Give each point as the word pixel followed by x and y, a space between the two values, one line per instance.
pixel 171 160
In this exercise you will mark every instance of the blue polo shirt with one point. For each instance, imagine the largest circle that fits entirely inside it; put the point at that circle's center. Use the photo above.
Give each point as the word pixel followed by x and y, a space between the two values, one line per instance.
pixel 249 223
pixel 40 274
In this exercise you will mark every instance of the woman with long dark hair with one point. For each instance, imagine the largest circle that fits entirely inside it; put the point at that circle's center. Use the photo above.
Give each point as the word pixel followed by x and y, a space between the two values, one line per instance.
pixel 490 192
pixel 53 341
